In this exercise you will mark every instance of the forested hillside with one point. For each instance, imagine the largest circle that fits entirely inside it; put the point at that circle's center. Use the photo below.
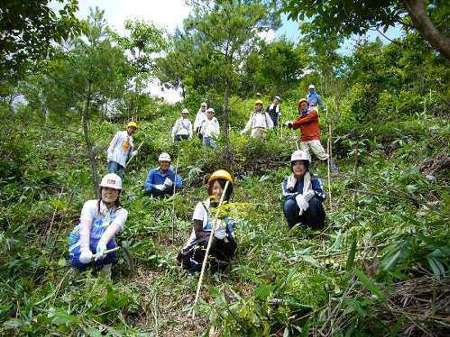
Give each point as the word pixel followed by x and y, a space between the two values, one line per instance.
pixel 379 266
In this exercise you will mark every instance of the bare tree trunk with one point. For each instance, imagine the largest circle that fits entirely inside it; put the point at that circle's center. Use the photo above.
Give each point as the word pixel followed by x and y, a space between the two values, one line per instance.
pixel 88 141
pixel 225 111
pixel 421 20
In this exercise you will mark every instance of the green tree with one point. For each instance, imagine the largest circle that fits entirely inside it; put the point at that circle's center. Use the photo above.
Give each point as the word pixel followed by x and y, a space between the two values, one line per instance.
pixel 429 18
pixel 214 45
pixel 81 80
pixel 28 30
pixel 143 42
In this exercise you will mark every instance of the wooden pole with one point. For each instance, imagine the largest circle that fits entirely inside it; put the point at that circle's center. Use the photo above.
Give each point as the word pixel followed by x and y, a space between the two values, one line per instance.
pixel 208 247
pixel 173 201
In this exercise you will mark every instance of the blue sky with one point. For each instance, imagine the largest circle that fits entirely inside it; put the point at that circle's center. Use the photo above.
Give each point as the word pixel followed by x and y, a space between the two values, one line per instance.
pixel 290 30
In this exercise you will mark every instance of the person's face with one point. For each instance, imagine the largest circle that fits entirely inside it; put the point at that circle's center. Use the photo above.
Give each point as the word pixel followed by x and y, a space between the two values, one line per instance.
pixel 109 195
pixel 210 115
pixel 303 106
pixel 258 107
pixel 203 107
pixel 311 90
pixel 217 191
pixel 299 168
pixel 164 165
pixel 131 130
pixel 184 116
pixel 275 102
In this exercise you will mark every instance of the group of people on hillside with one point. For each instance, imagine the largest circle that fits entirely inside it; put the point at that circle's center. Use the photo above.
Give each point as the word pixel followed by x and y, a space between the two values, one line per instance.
pixel 92 241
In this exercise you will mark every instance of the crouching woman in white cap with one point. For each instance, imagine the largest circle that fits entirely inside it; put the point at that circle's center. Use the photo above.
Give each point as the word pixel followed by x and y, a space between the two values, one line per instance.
pixel 303 194
pixel 100 221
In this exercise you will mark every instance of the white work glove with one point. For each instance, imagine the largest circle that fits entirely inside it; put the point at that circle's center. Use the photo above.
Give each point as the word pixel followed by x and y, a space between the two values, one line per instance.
pixel 160 187
pixel 168 182
pixel 101 249
pixel 301 203
pixel 220 233
pixel 134 153
pixel 309 195
pixel 288 125
pixel 86 256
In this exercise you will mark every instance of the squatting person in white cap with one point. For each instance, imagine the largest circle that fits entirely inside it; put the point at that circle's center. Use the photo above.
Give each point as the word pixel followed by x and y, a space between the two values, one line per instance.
pixel 160 181
pixel 182 128
pixel 100 221
pixel 303 194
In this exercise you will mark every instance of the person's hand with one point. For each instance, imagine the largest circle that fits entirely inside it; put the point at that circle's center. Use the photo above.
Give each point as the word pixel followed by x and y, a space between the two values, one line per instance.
pixel 309 195
pixel 288 125
pixel 86 256
pixel 168 182
pixel 301 203
pixel 134 153
pixel 220 233
pixel 160 187
pixel 101 249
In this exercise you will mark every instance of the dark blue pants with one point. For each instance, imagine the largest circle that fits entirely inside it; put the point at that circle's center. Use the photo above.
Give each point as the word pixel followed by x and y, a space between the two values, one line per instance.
pixel 314 216
pixel 116 168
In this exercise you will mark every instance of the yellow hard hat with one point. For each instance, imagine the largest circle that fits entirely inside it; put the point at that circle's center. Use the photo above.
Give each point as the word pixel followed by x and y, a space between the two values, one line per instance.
pixel 132 125
pixel 221 174
pixel 258 101
pixel 302 100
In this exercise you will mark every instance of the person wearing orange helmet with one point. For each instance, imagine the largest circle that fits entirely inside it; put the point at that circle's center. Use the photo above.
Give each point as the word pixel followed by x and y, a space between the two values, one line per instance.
pixel 308 123
pixel 223 245
pixel 121 149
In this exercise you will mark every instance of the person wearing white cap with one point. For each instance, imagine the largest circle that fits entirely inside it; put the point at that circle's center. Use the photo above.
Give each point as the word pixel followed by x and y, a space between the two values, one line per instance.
pixel 314 98
pixel 210 129
pixel 120 149
pixel 182 128
pixel 160 181
pixel 100 221
pixel 199 118
pixel 303 194
pixel 274 110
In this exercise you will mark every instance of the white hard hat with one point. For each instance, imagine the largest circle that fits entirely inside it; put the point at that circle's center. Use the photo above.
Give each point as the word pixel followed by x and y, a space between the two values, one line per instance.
pixel 278 98
pixel 300 155
pixel 204 104
pixel 185 111
pixel 210 110
pixel 164 157
pixel 112 180
pixel 311 86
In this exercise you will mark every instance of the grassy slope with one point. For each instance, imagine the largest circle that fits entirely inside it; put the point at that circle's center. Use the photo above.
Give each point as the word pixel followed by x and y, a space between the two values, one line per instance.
pixel 278 277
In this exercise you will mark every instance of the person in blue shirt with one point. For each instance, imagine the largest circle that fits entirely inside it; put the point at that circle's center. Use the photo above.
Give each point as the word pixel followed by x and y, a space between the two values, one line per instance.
pixel 314 98
pixel 161 181
pixel 303 194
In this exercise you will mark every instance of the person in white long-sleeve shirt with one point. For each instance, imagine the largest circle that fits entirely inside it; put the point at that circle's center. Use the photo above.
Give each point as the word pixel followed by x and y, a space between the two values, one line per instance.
pixel 259 122
pixel 120 149
pixel 210 129
pixel 199 118
pixel 182 128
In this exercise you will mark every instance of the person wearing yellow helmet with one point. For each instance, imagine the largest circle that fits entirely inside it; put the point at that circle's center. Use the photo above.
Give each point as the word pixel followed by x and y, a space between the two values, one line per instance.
pixel 223 245
pixel 100 221
pixel 259 122
pixel 121 149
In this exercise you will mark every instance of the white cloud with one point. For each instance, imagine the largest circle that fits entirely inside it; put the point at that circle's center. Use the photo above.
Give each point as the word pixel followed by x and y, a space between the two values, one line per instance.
pixel 167 14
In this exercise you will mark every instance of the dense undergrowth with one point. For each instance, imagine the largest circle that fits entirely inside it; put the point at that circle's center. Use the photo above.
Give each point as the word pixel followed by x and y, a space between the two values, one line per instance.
pixel 380 267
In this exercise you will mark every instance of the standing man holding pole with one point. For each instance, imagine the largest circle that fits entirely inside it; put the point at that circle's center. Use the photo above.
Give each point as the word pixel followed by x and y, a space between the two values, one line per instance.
pixel 120 149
